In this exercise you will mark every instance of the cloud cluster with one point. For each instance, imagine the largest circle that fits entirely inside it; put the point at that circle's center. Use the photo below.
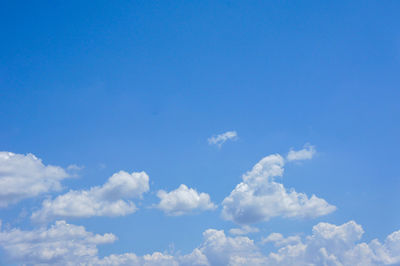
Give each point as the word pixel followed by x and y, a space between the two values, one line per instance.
pixel 106 200
pixel 25 176
pixel 61 244
pixel 259 197
pixel 329 244
pixel 222 138
pixel 183 200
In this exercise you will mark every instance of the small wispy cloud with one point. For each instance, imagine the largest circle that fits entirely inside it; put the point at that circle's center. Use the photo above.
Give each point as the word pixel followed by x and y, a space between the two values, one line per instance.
pixel 244 230
pixel 222 138
pixel 74 167
pixel 304 154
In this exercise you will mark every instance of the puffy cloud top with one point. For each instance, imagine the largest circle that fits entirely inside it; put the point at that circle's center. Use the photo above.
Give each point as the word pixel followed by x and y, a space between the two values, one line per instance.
pixel 183 200
pixel 259 198
pixel 25 176
pixel 61 244
pixel 106 200
pixel 329 244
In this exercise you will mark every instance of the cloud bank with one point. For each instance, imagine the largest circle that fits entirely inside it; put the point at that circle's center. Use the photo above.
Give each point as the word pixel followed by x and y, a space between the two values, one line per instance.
pixel 329 244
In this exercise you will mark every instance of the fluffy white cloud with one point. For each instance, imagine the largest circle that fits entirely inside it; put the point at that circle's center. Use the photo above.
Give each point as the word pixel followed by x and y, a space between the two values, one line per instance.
pixel 329 244
pixel 223 250
pixel 222 138
pixel 244 230
pixel 106 200
pixel 183 200
pixel 260 198
pixel 338 245
pixel 61 244
pixel 25 176
pixel 304 154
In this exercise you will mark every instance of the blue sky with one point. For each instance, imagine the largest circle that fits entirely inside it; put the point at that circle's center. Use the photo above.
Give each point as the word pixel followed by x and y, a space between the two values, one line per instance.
pixel 142 86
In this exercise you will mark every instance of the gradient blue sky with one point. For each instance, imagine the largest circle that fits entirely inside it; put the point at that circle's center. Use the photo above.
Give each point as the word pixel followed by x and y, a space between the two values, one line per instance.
pixel 142 85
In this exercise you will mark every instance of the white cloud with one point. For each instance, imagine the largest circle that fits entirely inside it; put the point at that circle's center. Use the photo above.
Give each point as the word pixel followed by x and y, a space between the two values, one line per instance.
pixel 222 250
pixel 222 138
pixel 74 167
pixel 244 230
pixel 329 244
pixel 338 245
pixel 61 244
pixel 106 200
pixel 259 198
pixel 183 200
pixel 25 176
pixel 304 154
pixel 279 240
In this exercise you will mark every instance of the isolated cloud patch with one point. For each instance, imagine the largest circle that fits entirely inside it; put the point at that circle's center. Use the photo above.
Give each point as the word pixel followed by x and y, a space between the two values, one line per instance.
pixel 183 200
pixel 304 154
pixel 25 176
pixel 111 199
pixel 222 138
pixel 259 198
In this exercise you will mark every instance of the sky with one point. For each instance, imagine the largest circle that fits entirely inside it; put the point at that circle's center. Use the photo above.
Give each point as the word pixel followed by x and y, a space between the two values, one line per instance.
pixel 199 133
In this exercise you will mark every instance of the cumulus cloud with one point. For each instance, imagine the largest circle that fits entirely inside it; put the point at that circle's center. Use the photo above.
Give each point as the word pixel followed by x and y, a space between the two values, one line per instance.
pixel 329 244
pixel 259 197
pixel 183 200
pixel 222 138
pixel 107 200
pixel 244 230
pixel 304 154
pixel 25 176
pixel 61 244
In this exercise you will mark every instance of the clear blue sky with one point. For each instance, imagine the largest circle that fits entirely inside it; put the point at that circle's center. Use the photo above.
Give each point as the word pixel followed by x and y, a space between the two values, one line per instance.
pixel 142 85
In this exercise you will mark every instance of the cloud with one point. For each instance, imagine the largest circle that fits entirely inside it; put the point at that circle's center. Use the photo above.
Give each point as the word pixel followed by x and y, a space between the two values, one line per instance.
pixel 74 167
pixel 61 244
pixel 106 200
pixel 223 250
pixel 304 154
pixel 244 230
pixel 329 244
pixel 222 138
pixel 25 176
pixel 279 240
pixel 183 200
pixel 259 198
